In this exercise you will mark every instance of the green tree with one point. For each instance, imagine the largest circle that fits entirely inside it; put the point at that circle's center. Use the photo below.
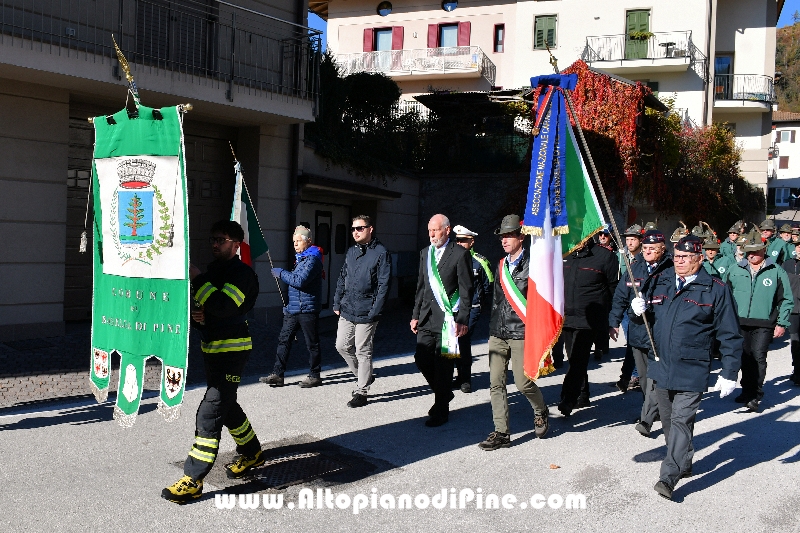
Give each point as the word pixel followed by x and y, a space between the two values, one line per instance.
pixel 135 213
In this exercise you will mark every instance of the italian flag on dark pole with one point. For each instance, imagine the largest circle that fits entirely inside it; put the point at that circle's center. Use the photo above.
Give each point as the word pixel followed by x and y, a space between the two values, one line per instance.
pixel 561 214
pixel 243 212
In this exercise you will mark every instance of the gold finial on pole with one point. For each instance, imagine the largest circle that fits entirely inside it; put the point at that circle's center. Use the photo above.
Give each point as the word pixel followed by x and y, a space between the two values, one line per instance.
pixel 123 63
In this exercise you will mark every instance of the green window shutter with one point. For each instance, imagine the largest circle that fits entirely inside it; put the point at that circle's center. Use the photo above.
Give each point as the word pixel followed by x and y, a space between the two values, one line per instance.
pixel 653 85
pixel 638 20
pixel 544 32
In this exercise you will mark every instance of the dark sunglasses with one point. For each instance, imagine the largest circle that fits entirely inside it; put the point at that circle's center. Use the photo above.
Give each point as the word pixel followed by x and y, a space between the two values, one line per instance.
pixel 358 228
pixel 463 239
pixel 219 240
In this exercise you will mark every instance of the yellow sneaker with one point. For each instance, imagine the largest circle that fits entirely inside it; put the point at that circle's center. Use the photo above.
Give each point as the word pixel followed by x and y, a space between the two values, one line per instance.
pixel 184 490
pixel 242 464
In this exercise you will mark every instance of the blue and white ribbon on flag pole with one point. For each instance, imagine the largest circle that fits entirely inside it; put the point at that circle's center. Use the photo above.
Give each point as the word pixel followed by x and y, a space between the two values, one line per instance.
pixel 548 166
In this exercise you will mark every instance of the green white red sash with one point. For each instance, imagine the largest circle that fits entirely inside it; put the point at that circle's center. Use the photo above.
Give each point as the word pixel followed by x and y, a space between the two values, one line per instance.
pixel 447 305
pixel 513 295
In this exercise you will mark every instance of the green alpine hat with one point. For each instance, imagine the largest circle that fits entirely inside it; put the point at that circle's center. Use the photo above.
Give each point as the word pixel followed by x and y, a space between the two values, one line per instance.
pixel 680 232
pixel 633 231
pixel 767 224
pixel 650 225
pixel 786 228
pixel 738 227
pixel 754 242
pixel 710 244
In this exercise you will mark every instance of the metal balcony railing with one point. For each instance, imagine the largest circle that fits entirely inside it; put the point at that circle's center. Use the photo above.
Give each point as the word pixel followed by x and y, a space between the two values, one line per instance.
pixel 662 45
pixel 444 60
pixel 752 87
pixel 207 42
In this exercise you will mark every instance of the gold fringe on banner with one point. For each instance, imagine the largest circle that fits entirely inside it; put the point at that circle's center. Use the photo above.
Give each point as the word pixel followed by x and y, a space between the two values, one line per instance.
pixel 531 230
pixel 548 368
pixel 560 230
pixel 584 241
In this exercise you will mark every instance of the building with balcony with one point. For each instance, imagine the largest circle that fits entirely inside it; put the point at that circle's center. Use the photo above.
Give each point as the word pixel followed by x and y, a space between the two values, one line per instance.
pixel 714 59
pixel 784 161
pixel 251 71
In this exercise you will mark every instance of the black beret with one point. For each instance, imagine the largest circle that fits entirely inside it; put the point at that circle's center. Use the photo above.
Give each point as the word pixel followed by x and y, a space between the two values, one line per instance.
pixel 653 237
pixel 690 244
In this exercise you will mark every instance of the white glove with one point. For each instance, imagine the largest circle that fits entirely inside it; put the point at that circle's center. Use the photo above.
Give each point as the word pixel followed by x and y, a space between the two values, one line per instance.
pixel 638 306
pixel 724 386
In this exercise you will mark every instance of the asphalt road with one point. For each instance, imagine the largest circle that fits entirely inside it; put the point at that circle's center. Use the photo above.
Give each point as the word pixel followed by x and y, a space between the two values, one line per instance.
pixel 72 468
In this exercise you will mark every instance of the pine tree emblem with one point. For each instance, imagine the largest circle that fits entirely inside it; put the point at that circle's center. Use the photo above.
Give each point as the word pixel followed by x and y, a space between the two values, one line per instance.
pixel 135 215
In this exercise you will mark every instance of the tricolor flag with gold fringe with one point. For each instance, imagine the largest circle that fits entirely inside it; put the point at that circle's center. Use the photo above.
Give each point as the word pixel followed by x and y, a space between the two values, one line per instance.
pixel 562 212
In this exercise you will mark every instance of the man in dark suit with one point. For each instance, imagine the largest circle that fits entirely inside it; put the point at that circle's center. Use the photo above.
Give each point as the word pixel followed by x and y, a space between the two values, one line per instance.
pixel 441 312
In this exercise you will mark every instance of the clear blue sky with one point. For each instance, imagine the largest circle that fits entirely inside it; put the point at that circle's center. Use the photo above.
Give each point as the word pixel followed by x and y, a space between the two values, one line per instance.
pixel 788 10
pixel 314 21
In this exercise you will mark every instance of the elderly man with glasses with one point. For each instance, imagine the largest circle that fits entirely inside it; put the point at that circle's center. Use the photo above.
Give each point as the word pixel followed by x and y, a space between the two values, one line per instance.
pixel 361 292
pixel 691 309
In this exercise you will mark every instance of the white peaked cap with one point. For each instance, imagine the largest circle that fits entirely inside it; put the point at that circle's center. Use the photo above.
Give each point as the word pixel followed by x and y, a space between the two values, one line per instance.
pixel 461 230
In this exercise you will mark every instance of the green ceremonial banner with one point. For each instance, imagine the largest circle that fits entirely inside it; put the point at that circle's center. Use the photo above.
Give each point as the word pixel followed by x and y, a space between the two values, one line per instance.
pixel 583 210
pixel 140 300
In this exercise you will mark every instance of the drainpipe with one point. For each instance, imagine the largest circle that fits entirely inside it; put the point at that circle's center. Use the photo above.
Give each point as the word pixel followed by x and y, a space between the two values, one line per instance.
pixel 709 59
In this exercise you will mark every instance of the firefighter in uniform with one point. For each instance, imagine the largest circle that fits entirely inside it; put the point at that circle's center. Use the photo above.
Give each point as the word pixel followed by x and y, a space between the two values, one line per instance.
pixel 482 279
pixel 222 296
pixel 646 272
pixel 691 310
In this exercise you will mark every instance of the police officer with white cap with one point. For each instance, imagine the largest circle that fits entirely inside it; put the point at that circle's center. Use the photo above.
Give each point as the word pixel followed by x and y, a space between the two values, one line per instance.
pixel 482 279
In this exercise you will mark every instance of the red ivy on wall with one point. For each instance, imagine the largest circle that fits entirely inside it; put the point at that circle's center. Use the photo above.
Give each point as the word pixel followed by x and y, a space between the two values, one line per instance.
pixel 610 114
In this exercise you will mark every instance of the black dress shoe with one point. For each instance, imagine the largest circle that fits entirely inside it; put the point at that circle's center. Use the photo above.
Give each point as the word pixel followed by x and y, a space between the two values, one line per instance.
pixel 583 402
pixel 466 387
pixel 566 408
pixel 643 428
pixel 436 421
pixel 622 386
pixel 359 400
pixel 752 405
pixel 664 490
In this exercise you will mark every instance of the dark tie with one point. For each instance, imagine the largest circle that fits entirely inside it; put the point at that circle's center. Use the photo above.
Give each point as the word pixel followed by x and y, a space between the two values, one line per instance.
pixel 650 269
pixel 681 283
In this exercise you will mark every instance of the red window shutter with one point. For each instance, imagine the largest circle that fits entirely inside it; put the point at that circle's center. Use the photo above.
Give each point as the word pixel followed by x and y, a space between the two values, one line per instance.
pixel 433 35
pixel 463 33
pixel 793 132
pixel 778 137
pixel 397 38
pixel 369 40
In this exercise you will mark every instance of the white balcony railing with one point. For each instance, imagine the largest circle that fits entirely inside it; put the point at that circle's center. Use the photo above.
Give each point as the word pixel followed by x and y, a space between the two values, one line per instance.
pixel 663 45
pixel 444 60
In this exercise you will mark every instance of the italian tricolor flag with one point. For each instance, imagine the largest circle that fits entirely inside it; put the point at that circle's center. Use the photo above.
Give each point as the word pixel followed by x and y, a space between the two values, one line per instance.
pixel 544 306
pixel 254 243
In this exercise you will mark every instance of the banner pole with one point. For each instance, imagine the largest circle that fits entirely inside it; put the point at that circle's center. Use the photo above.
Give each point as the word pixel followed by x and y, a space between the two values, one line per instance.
pixel 606 204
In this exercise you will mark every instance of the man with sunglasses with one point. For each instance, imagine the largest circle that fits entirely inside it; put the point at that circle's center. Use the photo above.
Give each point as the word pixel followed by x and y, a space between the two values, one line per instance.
pixel 691 310
pixel 223 296
pixel 361 292
pixel 764 303
pixel 482 283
